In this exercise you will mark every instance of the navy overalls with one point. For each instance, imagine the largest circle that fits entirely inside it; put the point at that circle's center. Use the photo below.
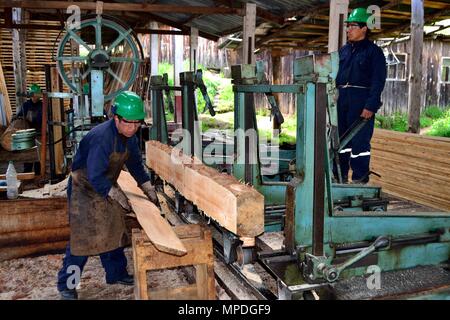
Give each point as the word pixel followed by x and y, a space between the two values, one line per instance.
pixel 95 222
pixel 360 79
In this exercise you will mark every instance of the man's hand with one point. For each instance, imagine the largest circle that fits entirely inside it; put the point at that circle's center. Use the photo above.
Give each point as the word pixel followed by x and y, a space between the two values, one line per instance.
pixel 366 114
pixel 150 192
pixel 117 194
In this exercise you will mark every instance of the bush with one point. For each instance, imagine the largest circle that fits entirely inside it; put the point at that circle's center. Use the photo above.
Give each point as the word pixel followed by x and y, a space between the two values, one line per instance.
pixel 226 97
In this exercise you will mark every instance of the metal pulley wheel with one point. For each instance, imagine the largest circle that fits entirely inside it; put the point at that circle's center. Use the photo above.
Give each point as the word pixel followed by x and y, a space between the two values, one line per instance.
pixel 113 47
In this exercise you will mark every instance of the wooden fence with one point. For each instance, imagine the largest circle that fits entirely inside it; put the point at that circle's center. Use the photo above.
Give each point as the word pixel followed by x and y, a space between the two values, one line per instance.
pixel 413 167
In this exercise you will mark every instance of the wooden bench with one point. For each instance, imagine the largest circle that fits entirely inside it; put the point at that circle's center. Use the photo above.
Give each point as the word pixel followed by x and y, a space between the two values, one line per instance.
pixel 146 257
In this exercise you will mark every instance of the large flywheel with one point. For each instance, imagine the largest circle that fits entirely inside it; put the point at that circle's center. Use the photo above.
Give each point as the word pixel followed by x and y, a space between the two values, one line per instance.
pixel 107 51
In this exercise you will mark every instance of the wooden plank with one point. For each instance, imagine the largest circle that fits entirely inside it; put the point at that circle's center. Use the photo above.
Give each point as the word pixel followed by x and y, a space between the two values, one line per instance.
pixel 20 176
pixel 181 293
pixel 4 92
pixel 236 207
pixel 149 216
pixel 413 167
pixel 123 7
pixel 29 155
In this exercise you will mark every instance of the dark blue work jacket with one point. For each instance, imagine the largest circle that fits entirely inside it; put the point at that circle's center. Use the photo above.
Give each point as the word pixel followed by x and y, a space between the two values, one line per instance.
pixel 361 64
pixel 33 113
pixel 95 150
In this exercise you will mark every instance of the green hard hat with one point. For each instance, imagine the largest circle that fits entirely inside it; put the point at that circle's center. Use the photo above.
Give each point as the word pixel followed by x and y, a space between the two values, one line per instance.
pixel 86 88
pixel 34 88
pixel 359 15
pixel 129 106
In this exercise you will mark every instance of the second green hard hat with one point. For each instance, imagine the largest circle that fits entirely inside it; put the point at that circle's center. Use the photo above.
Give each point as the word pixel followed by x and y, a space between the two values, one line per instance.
pixel 34 88
pixel 129 106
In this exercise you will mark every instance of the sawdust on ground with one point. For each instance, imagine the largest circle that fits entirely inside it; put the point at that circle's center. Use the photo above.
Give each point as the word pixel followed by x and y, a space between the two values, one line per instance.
pixel 35 279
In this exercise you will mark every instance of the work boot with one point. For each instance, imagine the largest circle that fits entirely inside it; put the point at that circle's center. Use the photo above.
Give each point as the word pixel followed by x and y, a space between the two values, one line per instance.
pixel 69 294
pixel 127 281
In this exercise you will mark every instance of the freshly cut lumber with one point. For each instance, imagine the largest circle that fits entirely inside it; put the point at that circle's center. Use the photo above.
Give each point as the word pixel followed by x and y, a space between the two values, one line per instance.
pixel 237 207
pixel 149 216
pixel 413 167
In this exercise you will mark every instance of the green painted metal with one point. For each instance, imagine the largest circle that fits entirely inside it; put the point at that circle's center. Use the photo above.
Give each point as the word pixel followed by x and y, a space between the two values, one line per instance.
pixel 99 58
pixel 158 130
pixel 356 227
pixel 23 139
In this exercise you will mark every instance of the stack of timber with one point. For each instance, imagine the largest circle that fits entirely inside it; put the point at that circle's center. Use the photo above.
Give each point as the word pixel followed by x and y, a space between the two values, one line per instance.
pixel 236 207
pixel 32 226
pixel 39 49
pixel 413 167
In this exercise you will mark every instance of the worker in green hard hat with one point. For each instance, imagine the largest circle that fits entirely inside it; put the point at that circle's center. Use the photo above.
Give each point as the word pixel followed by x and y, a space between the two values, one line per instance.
pixel 96 202
pixel 360 81
pixel 31 111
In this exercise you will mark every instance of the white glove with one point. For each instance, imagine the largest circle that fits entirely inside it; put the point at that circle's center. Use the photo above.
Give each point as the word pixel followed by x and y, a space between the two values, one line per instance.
pixel 118 195
pixel 150 192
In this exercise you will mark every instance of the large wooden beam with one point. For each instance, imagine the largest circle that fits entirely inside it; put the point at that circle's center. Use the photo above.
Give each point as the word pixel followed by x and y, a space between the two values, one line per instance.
pixel 130 7
pixel 415 78
pixel 149 216
pixel 236 207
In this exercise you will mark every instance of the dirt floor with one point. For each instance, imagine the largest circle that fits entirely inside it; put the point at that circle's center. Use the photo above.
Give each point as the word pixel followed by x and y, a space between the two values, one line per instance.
pixel 35 279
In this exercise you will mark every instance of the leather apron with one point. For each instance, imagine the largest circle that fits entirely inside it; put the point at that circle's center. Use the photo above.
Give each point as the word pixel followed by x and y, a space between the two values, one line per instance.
pixel 97 224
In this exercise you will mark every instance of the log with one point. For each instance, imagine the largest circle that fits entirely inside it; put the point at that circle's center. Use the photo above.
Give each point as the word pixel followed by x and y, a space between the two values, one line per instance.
pixel 32 226
pixel 149 216
pixel 9 253
pixel 236 207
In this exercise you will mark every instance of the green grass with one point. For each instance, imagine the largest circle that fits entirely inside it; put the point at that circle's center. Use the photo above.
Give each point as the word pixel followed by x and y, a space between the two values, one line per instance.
pixel 441 127
pixel 436 118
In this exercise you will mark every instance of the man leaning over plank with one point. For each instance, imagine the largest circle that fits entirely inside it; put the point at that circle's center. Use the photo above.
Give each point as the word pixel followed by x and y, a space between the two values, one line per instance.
pixel 97 222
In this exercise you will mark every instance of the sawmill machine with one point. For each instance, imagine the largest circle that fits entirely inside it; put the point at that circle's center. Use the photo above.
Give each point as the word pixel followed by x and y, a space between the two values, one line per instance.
pixel 92 70
pixel 334 232
pixel 269 176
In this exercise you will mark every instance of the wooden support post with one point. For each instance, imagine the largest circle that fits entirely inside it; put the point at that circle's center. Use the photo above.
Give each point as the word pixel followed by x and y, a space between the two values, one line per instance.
pixel 154 50
pixel 336 33
pixel 193 48
pixel 178 49
pixel 19 59
pixel 57 116
pixel 248 40
pixel 415 78
pixel 43 151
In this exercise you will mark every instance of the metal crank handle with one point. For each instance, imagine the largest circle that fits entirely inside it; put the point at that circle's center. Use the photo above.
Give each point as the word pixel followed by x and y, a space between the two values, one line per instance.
pixel 331 273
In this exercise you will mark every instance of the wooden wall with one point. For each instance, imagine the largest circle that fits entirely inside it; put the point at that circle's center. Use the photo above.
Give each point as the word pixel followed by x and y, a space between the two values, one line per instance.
pixel 413 167
pixel 39 51
pixel 434 92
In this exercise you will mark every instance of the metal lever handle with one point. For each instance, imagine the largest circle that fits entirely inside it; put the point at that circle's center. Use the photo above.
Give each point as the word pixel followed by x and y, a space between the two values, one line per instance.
pixel 201 85
pixel 331 273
